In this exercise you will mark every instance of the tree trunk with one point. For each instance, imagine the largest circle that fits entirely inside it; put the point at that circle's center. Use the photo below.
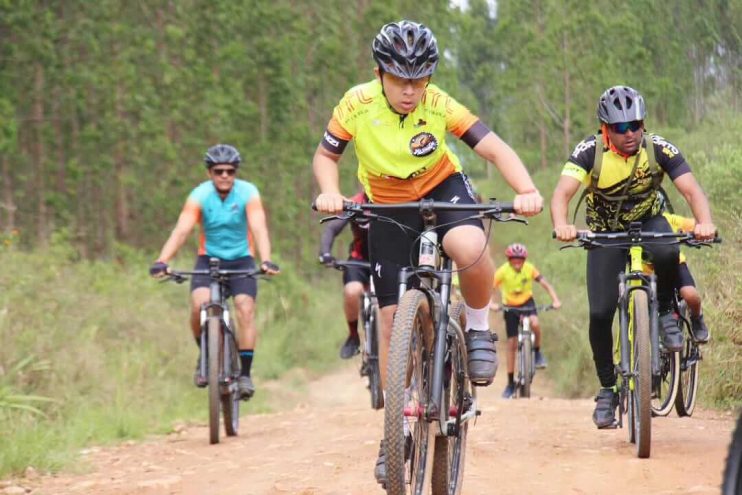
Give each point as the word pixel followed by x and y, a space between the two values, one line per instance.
pixel 39 156
pixel 566 79
pixel 8 204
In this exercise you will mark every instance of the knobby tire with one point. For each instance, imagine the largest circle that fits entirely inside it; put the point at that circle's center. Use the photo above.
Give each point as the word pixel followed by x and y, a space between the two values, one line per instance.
pixel 690 357
pixel 374 374
pixel 407 367
pixel 642 391
pixel 525 358
pixel 214 352
pixel 229 394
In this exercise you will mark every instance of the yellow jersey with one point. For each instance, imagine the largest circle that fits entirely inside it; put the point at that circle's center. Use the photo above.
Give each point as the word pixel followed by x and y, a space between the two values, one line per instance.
pixel 401 157
pixel 516 286
pixel 680 223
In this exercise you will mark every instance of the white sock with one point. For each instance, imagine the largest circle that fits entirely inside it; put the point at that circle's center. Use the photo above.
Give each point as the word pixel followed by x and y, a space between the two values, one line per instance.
pixel 477 319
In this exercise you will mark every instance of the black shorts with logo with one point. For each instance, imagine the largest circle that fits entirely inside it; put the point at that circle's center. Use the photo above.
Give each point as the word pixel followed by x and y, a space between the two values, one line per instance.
pixel 392 247
pixel 237 285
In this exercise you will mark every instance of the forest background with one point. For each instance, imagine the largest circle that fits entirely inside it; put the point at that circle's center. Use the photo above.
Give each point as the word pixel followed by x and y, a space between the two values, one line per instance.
pixel 107 107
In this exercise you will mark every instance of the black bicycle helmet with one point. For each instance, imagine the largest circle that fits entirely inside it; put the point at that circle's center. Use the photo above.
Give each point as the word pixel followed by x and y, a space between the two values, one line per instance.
pixel 621 104
pixel 406 49
pixel 222 154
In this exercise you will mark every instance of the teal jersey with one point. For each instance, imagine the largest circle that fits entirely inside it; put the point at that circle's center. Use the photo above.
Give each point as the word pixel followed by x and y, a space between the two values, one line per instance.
pixel 223 223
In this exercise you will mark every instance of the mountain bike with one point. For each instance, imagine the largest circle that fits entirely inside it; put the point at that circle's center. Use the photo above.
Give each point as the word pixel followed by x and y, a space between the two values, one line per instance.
pixel 526 352
pixel 219 360
pixel 369 321
pixel 647 374
pixel 429 398
pixel 690 358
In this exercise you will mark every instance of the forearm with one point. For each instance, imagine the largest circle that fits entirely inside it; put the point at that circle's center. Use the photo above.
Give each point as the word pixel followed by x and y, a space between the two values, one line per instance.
pixel 263 245
pixel 548 288
pixel 325 170
pixel 699 205
pixel 172 245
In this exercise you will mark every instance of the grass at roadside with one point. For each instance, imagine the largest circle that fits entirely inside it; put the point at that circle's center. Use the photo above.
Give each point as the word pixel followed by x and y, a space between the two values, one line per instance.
pixel 111 351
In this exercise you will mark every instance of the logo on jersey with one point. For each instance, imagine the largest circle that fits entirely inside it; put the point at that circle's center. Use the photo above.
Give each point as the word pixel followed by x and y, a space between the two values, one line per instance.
pixel 420 123
pixel 423 144
pixel 455 199
pixel 583 146
pixel 331 140
pixel 377 269
pixel 667 148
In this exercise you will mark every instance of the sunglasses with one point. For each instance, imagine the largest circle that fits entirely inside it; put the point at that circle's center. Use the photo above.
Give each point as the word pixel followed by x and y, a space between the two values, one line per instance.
pixel 624 127
pixel 221 171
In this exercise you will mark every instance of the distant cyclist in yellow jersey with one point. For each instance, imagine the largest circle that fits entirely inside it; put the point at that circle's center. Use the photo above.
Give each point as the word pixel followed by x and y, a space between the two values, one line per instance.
pixel 515 279
pixel 398 123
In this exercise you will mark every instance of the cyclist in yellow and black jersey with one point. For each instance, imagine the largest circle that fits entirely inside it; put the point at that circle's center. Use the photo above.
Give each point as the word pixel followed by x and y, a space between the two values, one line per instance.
pixel 625 190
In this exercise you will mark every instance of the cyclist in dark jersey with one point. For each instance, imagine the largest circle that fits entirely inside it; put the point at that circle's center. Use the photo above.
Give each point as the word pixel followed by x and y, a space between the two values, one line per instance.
pixel 228 212
pixel 355 279
pixel 625 192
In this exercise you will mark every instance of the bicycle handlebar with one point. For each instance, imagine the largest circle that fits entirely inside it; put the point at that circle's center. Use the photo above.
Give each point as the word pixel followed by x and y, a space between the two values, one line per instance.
pixel 342 265
pixel 180 276
pixel 588 239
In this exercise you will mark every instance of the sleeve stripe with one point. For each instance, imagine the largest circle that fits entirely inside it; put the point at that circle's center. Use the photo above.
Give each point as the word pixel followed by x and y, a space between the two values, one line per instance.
pixel 475 133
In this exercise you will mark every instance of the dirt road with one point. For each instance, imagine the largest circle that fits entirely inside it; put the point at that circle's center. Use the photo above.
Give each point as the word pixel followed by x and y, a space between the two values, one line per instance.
pixel 326 443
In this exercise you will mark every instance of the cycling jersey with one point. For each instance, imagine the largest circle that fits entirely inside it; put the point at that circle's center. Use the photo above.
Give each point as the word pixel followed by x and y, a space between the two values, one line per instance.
pixel 516 286
pixel 680 223
pixel 615 172
pixel 401 157
pixel 223 223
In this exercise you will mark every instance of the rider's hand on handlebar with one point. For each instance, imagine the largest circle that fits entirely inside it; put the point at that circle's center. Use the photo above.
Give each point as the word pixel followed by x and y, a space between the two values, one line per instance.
pixel 270 268
pixel 528 204
pixel 705 231
pixel 326 259
pixel 565 233
pixel 556 304
pixel 158 269
pixel 494 306
pixel 329 203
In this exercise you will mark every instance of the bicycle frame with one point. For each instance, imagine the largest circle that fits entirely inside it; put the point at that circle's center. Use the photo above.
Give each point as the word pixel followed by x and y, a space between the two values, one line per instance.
pixel 634 278
pixel 435 282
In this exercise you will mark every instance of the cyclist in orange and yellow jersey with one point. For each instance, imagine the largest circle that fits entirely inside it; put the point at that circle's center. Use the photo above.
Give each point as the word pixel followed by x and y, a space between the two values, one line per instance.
pixel 515 279
pixel 398 123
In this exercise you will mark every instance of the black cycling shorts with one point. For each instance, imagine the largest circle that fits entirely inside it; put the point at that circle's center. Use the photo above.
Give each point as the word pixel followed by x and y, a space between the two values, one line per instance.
pixel 512 318
pixel 237 285
pixel 356 274
pixel 685 279
pixel 392 247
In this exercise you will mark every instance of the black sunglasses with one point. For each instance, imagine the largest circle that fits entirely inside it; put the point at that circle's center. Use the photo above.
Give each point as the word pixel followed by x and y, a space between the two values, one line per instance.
pixel 624 127
pixel 222 171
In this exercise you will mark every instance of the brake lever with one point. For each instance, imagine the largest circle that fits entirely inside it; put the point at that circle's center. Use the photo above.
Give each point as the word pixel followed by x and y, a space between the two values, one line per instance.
pixel 345 216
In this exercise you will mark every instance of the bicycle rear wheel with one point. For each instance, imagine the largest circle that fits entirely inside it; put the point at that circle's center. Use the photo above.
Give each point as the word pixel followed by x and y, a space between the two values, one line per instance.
pixel 213 327
pixel 448 460
pixel 374 374
pixel 229 394
pixel 408 437
pixel 642 380
pixel 666 384
pixel 690 357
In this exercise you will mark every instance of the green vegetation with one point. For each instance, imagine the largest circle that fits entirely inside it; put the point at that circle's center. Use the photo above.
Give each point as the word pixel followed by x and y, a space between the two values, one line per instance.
pixel 107 107
pixel 95 352
pixel 714 152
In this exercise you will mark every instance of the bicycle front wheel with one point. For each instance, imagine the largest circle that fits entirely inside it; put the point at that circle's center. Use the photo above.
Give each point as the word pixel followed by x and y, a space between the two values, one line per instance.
pixel 525 360
pixel 448 460
pixel 213 327
pixel 642 370
pixel 408 437
pixel 690 359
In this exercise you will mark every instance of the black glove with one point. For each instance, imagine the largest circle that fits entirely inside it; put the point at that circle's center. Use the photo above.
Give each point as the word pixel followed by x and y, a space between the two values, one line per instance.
pixel 157 269
pixel 269 265
pixel 326 259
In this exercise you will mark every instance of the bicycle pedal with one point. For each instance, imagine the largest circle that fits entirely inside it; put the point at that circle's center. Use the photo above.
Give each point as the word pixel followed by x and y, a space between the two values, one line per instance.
pixel 611 426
